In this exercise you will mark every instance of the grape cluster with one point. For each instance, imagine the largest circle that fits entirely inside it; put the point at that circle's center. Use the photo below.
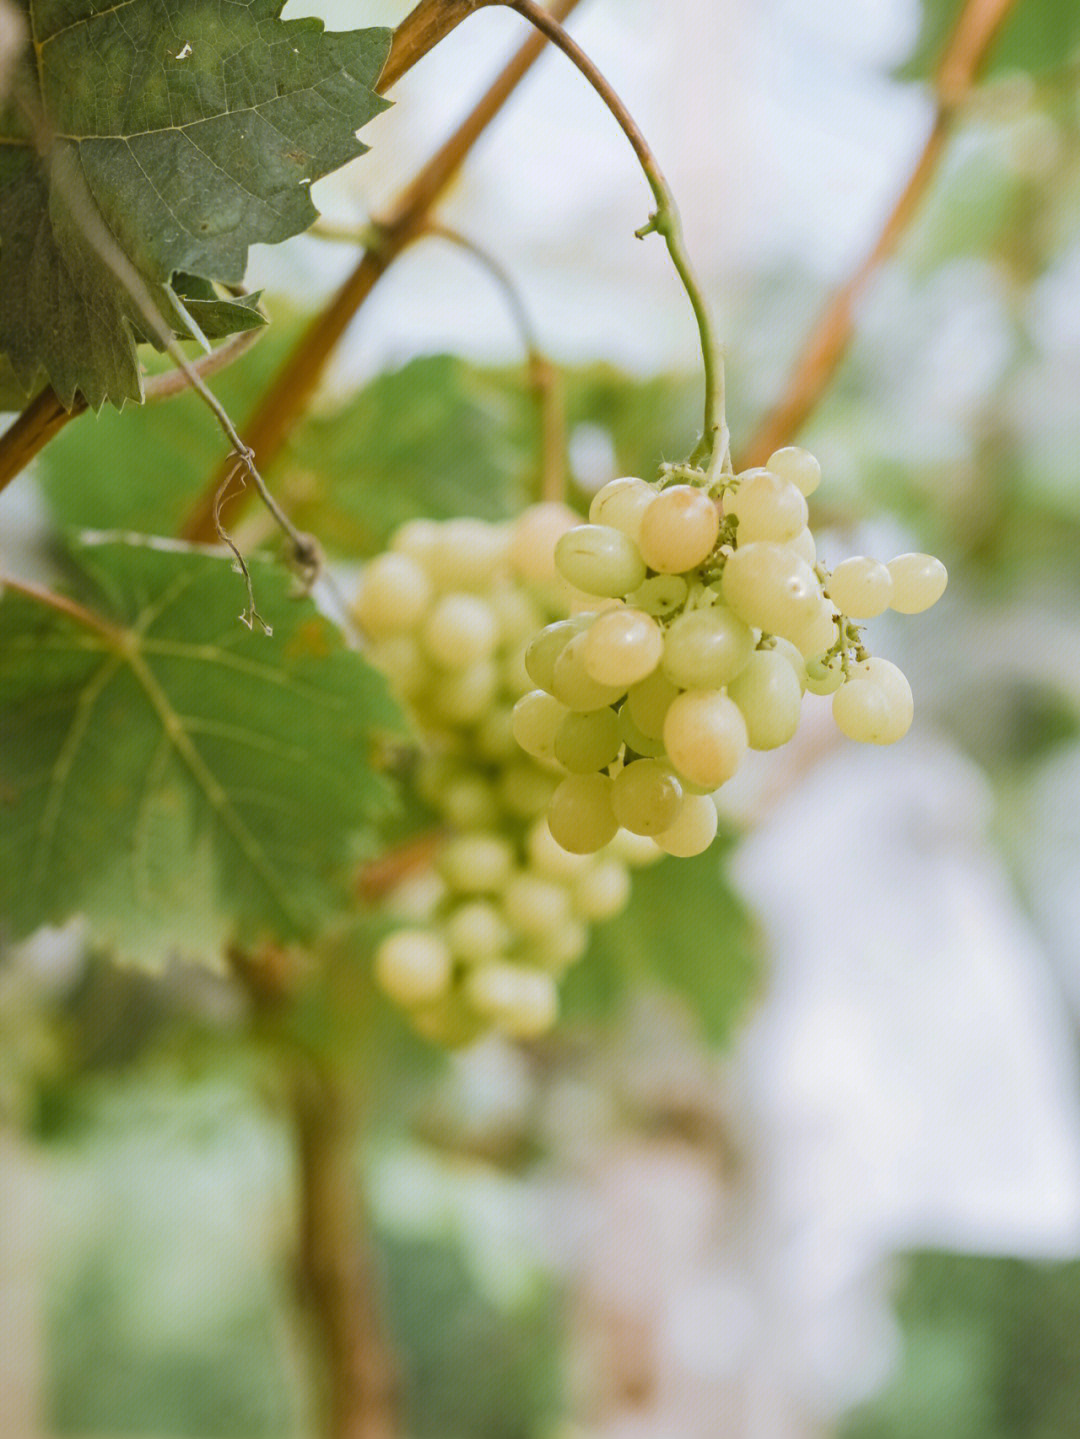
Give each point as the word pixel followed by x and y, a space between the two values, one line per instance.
pixel 711 619
pixel 487 929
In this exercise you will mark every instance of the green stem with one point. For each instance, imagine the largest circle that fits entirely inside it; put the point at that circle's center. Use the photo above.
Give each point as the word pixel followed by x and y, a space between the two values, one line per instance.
pixel 712 449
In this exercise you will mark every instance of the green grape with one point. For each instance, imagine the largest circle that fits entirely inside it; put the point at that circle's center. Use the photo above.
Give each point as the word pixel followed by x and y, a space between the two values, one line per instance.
pixel 533 905
pixel 524 789
pixel 476 931
pixel 678 531
pixel 602 890
pixel 459 630
pixel 546 648
pixel 704 649
pixel 824 675
pixel 523 1002
pixel 918 582
pixel 536 721
pixel 580 816
pixel 770 588
pixel 574 686
pixel 860 587
pixel 648 701
pixel 477 863
pixel 533 538
pixel 413 966
pixel 621 504
pixel 646 797
pixel 588 742
pixel 660 595
pixel 550 859
pixel 875 705
pixel 635 739
pixel 768 694
pixel 694 829
pixel 464 696
pixel 766 507
pixel 395 593
pixel 622 647
pixel 560 948
pixel 798 466
pixel 469 801
pixel 599 560
pixel 705 735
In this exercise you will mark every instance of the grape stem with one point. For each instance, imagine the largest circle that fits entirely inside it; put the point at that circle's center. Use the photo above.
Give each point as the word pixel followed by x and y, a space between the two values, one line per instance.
pixel 712 449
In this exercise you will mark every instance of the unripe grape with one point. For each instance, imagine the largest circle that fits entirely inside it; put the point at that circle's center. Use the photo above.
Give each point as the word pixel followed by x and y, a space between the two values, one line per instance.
pixel 705 735
pixel 797 465
pixel 795 659
pixel 824 675
pixel 660 595
pixel 572 684
pixel 580 816
pixel 476 863
pixel 602 891
pixel 413 966
pixel 522 1002
pixel 646 797
pixel 768 694
pixel 534 905
pixel 394 595
pixel 476 931
pixel 635 739
pixel 767 507
pixel 588 742
pixel 694 828
pixel 648 703
pixel 678 530
pixel 622 647
pixel 770 588
pixel 460 629
pixel 621 504
pixel 537 717
pixel 860 587
pixel 704 649
pixel 599 560
pixel 918 582
pixel 875 705
pixel 533 538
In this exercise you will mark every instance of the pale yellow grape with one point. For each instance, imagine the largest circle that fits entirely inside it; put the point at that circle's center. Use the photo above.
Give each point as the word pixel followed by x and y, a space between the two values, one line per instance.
pixel 767 507
pixel 694 828
pixel 413 966
pixel 469 802
pixel 805 546
pixel 636 850
pixel 860 587
pixel 416 538
pixel 535 906
pixel 770 588
pixel 580 816
pixel 464 696
pixel 459 630
pixel 705 735
pixel 588 742
pixel 660 595
pixel 549 858
pixel 602 891
pixel 621 504
pixel 648 703
pixel 395 593
pixel 797 465
pixel 533 537
pixel 560 948
pixel 635 739
pixel 824 675
pixel 875 705
pixel 600 560
pixel 678 530
pixel 918 582
pixel 467 554
pixel 476 931
pixel 545 649
pixel 817 633
pixel 537 717
pixel 418 897
pixel 704 649
pixel 622 647
pixel 794 657
pixel 646 797
pixel 476 863
pixel 768 693
pixel 525 790
pixel 524 1003
pixel 572 684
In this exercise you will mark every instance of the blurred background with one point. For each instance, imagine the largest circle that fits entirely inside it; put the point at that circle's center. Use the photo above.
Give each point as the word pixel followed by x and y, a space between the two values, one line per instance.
pixel 804 1160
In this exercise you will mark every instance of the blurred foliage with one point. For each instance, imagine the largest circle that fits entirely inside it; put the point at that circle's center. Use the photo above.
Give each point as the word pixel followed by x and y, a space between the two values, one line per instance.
pixel 991 1351
pixel 1038 35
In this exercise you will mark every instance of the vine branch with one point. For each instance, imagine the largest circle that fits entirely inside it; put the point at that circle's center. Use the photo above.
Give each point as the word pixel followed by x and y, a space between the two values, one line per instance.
pixel 290 391
pixel 979 24
pixel 665 222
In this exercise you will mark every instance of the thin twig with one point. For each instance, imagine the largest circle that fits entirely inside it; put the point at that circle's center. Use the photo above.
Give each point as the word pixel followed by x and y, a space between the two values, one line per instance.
pixel 290 392
pixel 979 24
pixel 665 222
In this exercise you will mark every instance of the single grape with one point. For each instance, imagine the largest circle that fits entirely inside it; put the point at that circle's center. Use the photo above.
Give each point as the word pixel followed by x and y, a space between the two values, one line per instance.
pixel 476 863
pixel 875 705
pixel 768 694
pixel 601 891
pixel 635 739
pixel 545 649
pixel 559 948
pixel 476 931
pixel 694 828
pixel 805 546
pixel 817 633
pixel 766 507
pixel 621 504
pixel 533 538
pixel 469 801
pixel 466 554
pixel 918 582
pixel 459 630
pixel 770 588
pixel 588 742
pixel 534 905
pixel 704 649
pixel 646 797
pixel 599 560
pixel 794 657
pixel 464 696
pixel 678 530
pixel 537 717
pixel 797 465
pixel 395 593
pixel 622 647
pixel 580 816
pixel 413 966
pixel 705 735
pixel 860 587
pixel 824 675
pixel 660 595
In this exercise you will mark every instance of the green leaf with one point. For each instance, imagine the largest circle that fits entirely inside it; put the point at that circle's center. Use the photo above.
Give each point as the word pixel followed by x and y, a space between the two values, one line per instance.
pixel 216 315
pixel 684 930
pixel 1039 35
pixel 180 781
pixel 189 130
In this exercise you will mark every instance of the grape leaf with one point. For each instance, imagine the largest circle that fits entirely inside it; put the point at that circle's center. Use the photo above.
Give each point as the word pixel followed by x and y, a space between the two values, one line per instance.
pixel 190 130
pixel 178 780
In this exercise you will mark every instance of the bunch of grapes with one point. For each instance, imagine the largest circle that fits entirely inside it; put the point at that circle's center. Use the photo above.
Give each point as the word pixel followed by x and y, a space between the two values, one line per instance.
pixel 711 619
pixel 488 928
